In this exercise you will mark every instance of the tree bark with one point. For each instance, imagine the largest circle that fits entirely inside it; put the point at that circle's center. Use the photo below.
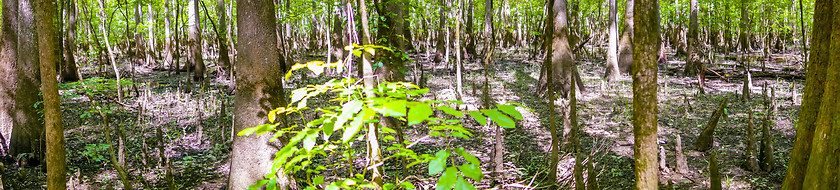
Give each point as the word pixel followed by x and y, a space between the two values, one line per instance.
pixel 812 100
pixel 28 132
pixel 822 171
pixel 693 64
pixel 8 59
pixel 744 24
pixel 561 57
pixel 68 70
pixel 645 50
pixel 707 137
pixel 56 170
pixel 259 89
pixel 625 46
pixel 612 73
pixel 224 58
pixel 195 41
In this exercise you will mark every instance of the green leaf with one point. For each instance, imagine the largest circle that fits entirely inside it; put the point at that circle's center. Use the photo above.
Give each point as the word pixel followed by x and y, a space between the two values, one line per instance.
pixel 318 180
pixel 439 163
pixel 259 184
pixel 394 108
pixel 332 186
pixel 471 171
pixel 467 156
pixel 298 94
pixel 407 185
pixel 478 117
pixel 347 111
pixel 450 111
pixel 309 141
pixel 499 118
pixel 419 113
pixel 447 180
pixel 510 110
pixel 462 184
pixel 354 128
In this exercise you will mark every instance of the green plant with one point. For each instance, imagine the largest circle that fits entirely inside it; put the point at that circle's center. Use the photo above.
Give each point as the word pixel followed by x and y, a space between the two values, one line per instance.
pixel 340 126
pixel 92 152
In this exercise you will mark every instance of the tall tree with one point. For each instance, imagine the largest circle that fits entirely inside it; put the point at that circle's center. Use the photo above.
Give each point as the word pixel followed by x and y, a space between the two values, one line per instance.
pixel 811 103
pixel 743 27
pixel 390 33
pixel 612 73
pixel 224 58
pixel 56 170
pixel 68 69
pixel 625 45
pixel 259 89
pixel 561 56
pixel 646 42
pixel 821 172
pixel 194 24
pixel 469 34
pixel 440 47
pixel 27 132
pixel 693 65
pixel 8 58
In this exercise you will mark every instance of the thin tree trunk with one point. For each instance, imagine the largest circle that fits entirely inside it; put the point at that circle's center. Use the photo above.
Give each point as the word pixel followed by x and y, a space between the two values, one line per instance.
pixel 612 73
pixel 108 48
pixel 56 169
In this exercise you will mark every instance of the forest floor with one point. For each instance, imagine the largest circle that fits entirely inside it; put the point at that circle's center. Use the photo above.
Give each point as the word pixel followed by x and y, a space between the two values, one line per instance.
pixel 196 126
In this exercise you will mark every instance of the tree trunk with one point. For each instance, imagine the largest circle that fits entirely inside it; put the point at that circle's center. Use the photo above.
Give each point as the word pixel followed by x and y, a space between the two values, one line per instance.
pixel 645 50
pixel 68 70
pixel 693 64
pixel 441 45
pixel 150 47
pixel 167 46
pixel 625 46
pixel 110 52
pixel 224 58
pixel 259 89
pixel 56 170
pixel 822 171
pixel 196 57
pixel 812 100
pixel 612 73
pixel 470 35
pixel 8 59
pixel 752 162
pixel 555 139
pixel 28 132
pixel 743 36
pixel 561 57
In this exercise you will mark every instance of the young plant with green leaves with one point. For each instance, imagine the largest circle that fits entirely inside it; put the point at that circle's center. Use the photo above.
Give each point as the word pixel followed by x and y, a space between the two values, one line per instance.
pixel 314 146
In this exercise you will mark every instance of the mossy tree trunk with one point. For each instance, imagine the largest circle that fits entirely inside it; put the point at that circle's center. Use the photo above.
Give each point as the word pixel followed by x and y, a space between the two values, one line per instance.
pixel 812 100
pixel 56 169
pixel 646 41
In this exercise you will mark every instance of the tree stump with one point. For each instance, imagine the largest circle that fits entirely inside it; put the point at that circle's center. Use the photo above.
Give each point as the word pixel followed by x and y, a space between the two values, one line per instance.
pixel 706 138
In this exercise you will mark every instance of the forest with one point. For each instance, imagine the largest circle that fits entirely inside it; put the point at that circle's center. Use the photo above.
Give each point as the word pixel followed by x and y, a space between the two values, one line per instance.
pixel 419 94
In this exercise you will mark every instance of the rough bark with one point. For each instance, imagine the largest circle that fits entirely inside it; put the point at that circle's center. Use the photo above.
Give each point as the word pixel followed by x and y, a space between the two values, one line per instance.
pixel 56 169
pixel 28 132
pixel 625 45
pixel 822 171
pixel 752 161
pixel 440 47
pixel 707 137
pixel 612 73
pixel 8 57
pixel 392 30
pixel 645 50
pixel 555 139
pixel 743 27
pixel 224 57
pixel 259 89
pixel 811 102
pixel 194 40
pixel 561 57
pixel 692 63
pixel 714 172
pixel 68 69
